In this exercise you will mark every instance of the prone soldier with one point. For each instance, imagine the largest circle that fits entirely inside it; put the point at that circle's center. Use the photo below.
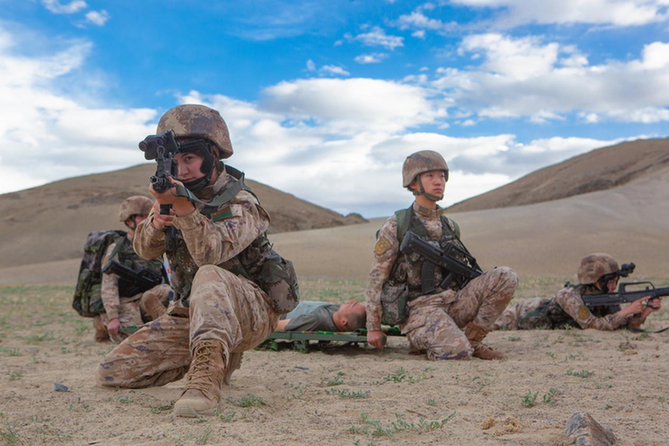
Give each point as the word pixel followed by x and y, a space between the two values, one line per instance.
pixel 124 308
pixel 230 285
pixel 448 321
pixel 598 274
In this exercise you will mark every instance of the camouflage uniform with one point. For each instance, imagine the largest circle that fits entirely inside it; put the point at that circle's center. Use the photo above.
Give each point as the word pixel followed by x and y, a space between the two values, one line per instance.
pixel 129 310
pixel 566 308
pixel 211 303
pixel 436 321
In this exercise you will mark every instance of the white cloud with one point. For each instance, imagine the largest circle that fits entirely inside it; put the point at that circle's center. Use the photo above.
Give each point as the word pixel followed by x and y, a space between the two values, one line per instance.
pixel 69 8
pixel 603 12
pixel 376 36
pixel 347 106
pixel 326 70
pixel 371 58
pixel 527 77
pixel 97 17
pixel 419 22
pixel 334 69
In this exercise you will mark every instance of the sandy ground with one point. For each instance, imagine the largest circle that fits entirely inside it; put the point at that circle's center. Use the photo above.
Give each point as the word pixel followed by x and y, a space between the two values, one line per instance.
pixel 335 395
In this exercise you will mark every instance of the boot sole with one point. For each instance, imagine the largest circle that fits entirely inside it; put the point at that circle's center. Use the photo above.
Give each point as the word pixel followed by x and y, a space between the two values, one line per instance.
pixel 188 411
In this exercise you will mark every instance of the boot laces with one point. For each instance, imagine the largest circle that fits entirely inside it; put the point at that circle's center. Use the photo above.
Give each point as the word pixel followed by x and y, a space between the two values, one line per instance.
pixel 200 374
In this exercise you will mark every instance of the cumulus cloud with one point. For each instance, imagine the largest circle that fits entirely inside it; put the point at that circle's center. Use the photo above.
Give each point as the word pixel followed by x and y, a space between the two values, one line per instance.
pixel 46 134
pixel 544 81
pixel 376 36
pixel 602 12
pixel 98 18
pixel 371 58
pixel 68 8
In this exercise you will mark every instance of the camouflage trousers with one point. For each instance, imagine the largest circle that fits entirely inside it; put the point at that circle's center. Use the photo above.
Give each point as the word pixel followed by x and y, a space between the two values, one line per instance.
pixel 134 311
pixel 223 307
pixel 510 317
pixel 436 322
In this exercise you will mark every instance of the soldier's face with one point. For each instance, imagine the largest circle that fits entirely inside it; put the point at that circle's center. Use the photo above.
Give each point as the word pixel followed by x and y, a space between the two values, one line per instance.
pixel 188 167
pixel 434 182
pixel 612 284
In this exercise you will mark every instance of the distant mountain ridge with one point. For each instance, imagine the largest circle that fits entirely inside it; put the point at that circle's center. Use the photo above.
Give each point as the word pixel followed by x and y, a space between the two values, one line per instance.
pixel 598 170
pixel 51 222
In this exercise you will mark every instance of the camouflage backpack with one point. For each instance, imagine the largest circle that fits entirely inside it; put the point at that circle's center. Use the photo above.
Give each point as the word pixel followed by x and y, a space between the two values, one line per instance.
pixel 87 299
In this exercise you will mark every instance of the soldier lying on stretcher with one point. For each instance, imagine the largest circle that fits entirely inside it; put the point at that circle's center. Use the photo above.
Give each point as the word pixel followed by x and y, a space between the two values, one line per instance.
pixel 322 316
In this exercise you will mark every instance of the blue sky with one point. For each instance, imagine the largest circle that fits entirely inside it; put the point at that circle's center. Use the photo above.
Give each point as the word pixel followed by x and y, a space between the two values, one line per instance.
pixel 325 99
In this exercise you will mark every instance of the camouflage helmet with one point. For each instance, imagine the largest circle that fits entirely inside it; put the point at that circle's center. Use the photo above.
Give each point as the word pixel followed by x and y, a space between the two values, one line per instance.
pixel 421 162
pixel 200 121
pixel 595 266
pixel 135 205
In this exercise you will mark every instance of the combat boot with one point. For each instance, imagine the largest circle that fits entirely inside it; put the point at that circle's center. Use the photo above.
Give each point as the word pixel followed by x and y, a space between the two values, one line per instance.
pixel 234 364
pixel 475 335
pixel 203 381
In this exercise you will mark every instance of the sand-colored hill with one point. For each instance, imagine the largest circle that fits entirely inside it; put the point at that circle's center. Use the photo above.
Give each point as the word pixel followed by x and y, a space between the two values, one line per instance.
pixel 630 222
pixel 50 223
pixel 600 169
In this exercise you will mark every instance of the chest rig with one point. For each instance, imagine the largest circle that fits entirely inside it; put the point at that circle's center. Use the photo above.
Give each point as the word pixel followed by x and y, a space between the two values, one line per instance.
pixel 258 262
pixel 408 268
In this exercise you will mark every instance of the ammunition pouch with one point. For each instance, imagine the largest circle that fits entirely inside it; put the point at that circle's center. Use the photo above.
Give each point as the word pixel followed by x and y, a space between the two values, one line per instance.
pixel 394 300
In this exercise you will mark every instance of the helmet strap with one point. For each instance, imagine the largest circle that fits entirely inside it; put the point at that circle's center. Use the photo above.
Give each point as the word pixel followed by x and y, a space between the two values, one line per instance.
pixel 134 222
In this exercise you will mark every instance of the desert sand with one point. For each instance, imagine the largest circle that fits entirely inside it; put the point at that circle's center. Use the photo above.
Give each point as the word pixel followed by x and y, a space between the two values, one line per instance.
pixel 348 395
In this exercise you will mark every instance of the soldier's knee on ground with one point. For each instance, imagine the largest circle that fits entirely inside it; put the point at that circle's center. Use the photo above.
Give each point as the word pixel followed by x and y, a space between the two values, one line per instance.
pixel 458 351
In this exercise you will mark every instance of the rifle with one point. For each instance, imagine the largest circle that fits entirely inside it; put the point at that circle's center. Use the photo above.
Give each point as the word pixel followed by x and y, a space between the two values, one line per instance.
pixel 130 281
pixel 162 148
pixel 623 296
pixel 458 271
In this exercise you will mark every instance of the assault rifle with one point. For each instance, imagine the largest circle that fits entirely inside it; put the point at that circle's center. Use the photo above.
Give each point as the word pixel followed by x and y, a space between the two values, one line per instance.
pixel 457 271
pixel 133 282
pixel 624 296
pixel 162 148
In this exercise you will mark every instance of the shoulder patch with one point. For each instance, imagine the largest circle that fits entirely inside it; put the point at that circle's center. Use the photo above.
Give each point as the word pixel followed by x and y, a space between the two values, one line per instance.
pixel 583 312
pixel 382 246
pixel 222 213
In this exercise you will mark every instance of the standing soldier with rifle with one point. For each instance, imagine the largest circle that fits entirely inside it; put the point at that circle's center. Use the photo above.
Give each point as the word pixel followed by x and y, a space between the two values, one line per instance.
pixel 587 305
pixel 230 285
pixel 128 302
pixel 439 297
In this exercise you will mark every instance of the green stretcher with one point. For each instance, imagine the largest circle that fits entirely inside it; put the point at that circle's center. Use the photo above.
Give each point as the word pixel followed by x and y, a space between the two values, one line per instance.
pixel 302 339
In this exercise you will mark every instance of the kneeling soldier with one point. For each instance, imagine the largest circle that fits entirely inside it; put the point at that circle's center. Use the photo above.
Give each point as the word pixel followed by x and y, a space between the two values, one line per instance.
pixel 230 285
pixel 447 322
pixel 123 307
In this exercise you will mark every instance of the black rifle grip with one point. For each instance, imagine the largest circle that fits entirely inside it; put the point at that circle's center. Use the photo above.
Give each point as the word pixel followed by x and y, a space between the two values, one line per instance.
pixel 165 209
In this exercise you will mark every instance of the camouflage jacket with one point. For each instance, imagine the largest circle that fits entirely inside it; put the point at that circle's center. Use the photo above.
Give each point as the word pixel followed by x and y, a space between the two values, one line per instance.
pixel 216 239
pixel 111 292
pixel 390 265
pixel 570 300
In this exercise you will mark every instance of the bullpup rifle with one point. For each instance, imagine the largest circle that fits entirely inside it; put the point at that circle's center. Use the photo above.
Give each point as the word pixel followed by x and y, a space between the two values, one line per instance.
pixel 162 148
pixel 456 270
pixel 132 282
pixel 624 295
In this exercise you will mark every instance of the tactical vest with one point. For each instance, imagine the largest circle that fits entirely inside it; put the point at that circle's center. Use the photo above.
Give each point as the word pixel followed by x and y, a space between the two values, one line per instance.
pixel 550 315
pixel 128 257
pixel 404 283
pixel 407 268
pixel 258 262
